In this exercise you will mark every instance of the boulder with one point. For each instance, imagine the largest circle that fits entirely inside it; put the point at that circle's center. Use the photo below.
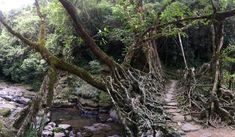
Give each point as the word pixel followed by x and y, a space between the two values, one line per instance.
pixel 188 127
pixel 88 102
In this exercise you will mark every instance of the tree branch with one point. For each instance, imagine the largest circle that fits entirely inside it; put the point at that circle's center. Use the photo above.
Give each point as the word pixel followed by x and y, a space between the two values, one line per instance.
pixel 218 16
pixel 18 35
pixel 85 36
pixel 53 60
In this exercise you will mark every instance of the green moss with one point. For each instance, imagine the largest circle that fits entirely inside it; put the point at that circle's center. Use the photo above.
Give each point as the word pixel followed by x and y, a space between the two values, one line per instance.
pixel 104 98
pixel 5 112
pixel 58 129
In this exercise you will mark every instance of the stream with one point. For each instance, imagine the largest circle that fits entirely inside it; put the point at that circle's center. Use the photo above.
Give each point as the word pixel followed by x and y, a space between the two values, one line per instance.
pixel 88 125
pixel 15 97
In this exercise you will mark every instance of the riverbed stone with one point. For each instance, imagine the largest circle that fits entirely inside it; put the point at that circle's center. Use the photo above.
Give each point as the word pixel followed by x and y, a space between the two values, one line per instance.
pixel 52 124
pixel 60 134
pixel 47 133
pixel 188 127
pixel 48 128
pixel 114 136
pixel 65 126
pixel 88 102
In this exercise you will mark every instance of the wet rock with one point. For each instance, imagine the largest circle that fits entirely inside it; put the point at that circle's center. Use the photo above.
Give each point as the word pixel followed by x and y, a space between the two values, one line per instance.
pixel 172 104
pixel 58 130
pixel 88 102
pixel 79 134
pixel 60 134
pixel 47 133
pixel 113 114
pixel 114 136
pixel 71 134
pixel 98 128
pixel 21 100
pixel 104 100
pixel 87 91
pixel 188 127
pixel 52 124
pixel 48 128
pixel 65 126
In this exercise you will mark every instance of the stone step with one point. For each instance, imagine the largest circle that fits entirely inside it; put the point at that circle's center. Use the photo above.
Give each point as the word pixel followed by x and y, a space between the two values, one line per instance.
pixel 172 104
pixel 178 118
pixel 188 127
pixel 170 107
pixel 173 110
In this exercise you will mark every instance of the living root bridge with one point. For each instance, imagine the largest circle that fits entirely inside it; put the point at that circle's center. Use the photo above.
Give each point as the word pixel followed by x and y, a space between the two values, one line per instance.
pixel 138 100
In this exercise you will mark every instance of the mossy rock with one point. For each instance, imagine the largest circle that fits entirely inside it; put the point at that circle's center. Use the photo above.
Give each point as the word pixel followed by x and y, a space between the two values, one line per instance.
pixel 58 130
pixel 6 132
pixel 5 112
pixel 104 99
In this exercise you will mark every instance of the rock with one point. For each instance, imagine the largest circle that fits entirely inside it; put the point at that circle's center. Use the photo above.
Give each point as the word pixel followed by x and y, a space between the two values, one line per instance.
pixel 188 127
pixel 110 120
pixel 60 103
pixel 47 133
pixel 87 91
pixel 188 118
pixel 102 126
pixel 58 130
pixel 207 134
pixel 88 102
pixel 98 128
pixel 5 112
pixel 21 100
pixel 173 110
pixel 79 134
pixel 114 136
pixel 113 114
pixel 65 126
pixel 104 100
pixel 52 124
pixel 60 134
pixel 178 118
pixel 71 134
pixel 172 104
pixel 49 114
pixel 48 128
pixel 170 107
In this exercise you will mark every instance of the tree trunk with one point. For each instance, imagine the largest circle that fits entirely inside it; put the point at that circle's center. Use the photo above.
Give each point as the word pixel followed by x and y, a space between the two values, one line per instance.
pixel 218 39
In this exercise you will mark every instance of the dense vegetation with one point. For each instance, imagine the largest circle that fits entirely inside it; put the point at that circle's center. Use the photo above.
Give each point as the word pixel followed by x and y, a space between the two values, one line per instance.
pixel 145 37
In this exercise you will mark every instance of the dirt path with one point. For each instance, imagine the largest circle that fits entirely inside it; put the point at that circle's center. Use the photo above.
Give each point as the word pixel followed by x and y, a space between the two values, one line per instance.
pixel 183 123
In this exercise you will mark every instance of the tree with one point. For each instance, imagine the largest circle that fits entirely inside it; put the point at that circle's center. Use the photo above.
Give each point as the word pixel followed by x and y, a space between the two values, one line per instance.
pixel 134 91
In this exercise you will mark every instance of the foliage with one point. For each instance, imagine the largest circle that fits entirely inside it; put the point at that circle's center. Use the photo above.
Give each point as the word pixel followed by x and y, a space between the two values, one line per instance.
pixel 17 61
pixel 95 66
pixel 31 132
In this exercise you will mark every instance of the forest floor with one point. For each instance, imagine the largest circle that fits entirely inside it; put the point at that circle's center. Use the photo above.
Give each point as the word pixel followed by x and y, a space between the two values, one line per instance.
pixel 183 123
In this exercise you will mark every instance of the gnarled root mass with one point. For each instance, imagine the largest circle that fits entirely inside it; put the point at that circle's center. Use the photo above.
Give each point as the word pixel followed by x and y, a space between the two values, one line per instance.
pixel 138 100
pixel 196 99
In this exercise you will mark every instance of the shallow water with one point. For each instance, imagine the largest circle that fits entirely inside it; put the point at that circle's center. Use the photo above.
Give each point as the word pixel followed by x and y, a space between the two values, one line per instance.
pixel 73 117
